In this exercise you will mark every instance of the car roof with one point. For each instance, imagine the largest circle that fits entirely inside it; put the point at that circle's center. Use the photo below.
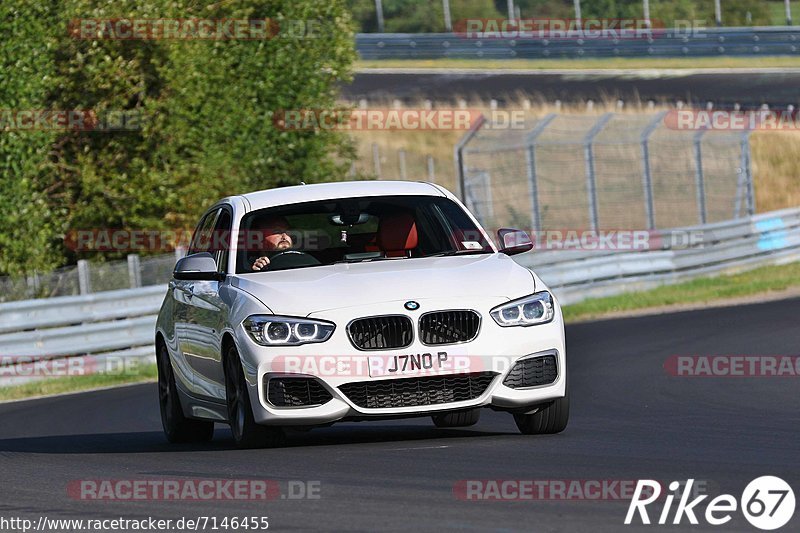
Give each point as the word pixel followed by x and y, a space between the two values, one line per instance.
pixel 340 189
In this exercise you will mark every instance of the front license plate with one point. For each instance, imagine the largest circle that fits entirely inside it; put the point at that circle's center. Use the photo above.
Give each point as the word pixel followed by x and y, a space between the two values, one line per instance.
pixel 409 364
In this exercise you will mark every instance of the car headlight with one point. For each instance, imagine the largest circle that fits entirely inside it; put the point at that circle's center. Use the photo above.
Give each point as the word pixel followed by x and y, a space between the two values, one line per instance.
pixel 528 311
pixel 273 330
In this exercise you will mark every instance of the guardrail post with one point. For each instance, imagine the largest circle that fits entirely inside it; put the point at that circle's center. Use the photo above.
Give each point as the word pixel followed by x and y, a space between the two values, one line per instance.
pixel 458 156
pixel 34 284
pixel 698 175
pixel 376 160
pixel 84 281
pixel 530 165
pixel 401 159
pixel 647 179
pixel 591 184
pixel 134 272
pixel 431 169
pixel 748 174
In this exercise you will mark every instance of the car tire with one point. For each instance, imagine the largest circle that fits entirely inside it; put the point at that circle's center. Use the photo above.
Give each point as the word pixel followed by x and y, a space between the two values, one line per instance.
pixel 177 427
pixel 550 418
pixel 458 419
pixel 246 432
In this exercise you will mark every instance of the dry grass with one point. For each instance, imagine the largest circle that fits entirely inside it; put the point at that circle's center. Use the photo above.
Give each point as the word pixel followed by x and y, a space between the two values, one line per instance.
pixel 777 180
pixel 775 167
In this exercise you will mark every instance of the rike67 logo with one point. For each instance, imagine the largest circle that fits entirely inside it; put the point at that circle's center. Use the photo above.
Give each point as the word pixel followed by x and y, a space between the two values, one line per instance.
pixel 767 503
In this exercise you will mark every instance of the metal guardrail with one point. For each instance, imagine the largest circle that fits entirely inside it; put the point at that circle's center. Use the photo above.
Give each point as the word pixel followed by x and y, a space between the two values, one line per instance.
pixel 768 238
pixel 755 41
pixel 120 324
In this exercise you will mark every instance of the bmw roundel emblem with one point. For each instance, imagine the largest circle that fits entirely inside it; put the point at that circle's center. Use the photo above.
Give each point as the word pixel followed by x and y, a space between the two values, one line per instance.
pixel 412 306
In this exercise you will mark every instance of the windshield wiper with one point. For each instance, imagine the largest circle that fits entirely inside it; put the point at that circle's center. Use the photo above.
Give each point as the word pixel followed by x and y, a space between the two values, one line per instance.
pixel 460 252
pixel 365 260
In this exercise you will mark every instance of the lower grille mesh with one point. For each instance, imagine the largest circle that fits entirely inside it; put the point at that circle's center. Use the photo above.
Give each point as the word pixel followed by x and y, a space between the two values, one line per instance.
pixel 409 392
pixel 296 392
pixel 532 372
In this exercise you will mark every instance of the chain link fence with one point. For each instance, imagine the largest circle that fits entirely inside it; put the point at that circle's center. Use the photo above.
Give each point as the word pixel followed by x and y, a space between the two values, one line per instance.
pixel 88 277
pixel 605 172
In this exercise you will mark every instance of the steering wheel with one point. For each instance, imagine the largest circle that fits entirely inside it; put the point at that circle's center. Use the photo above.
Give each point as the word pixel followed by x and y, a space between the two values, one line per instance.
pixel 292 259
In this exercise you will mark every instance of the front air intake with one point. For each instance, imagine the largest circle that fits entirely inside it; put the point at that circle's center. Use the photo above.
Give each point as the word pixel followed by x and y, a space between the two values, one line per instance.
pixel 296 392
pixel 532 372
pixel 412 392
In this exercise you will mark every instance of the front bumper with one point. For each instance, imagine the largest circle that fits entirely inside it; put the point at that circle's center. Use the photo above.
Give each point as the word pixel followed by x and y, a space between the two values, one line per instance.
pixel 336 363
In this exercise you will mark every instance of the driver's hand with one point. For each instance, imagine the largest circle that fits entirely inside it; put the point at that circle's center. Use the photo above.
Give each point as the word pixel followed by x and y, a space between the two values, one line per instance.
pixel 261 263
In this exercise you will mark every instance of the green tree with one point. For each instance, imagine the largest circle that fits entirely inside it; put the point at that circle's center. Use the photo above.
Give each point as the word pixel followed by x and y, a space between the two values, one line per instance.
pixel 206 106
pixel 27 235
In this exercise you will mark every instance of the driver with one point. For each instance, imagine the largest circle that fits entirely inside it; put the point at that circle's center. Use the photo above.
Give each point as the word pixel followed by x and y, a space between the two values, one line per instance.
pixel 274 238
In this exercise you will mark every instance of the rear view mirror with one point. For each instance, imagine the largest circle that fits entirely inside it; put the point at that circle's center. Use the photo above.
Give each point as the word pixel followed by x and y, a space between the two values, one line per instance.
pixel 513 241
pixel 200 267
pixel 349 219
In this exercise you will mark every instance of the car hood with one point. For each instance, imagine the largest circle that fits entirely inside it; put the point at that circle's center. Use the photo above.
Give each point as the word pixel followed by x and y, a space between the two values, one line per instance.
pixel 303 291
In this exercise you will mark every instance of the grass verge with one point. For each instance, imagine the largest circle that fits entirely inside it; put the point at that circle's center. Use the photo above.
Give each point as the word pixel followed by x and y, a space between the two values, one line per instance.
pixel 599 63
pixel 61 385
pixel 760 281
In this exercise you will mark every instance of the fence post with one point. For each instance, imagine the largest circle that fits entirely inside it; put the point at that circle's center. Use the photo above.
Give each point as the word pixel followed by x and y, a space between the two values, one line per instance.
pixel 401 159
pixel 647 178
pixel 448 19
pixel 458 156
pixel 698 175
pixel 84 281
pixel 530 165
pixel 376 160
pixel 134 271
pixel 591 185
pixel 379 14
pixel 431 169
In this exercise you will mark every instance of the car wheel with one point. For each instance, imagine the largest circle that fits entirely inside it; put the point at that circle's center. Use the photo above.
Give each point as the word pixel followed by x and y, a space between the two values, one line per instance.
pixel 458 419
pixel 246 432
pixel 550 418
pixel 177 427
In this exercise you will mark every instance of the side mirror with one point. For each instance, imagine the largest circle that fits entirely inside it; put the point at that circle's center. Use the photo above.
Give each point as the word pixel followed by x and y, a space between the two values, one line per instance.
pixel 513 241
pixel 200 267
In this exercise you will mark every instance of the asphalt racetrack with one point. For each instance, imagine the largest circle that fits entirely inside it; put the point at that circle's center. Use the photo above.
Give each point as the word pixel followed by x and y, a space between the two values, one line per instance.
pixel 630 420
pixel 723 87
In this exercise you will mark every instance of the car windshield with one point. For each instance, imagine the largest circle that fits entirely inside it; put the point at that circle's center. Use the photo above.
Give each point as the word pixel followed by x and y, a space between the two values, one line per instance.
pixel 350 230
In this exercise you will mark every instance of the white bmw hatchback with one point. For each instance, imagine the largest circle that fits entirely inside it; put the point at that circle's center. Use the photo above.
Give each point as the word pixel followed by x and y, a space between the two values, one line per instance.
pixel 308 305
